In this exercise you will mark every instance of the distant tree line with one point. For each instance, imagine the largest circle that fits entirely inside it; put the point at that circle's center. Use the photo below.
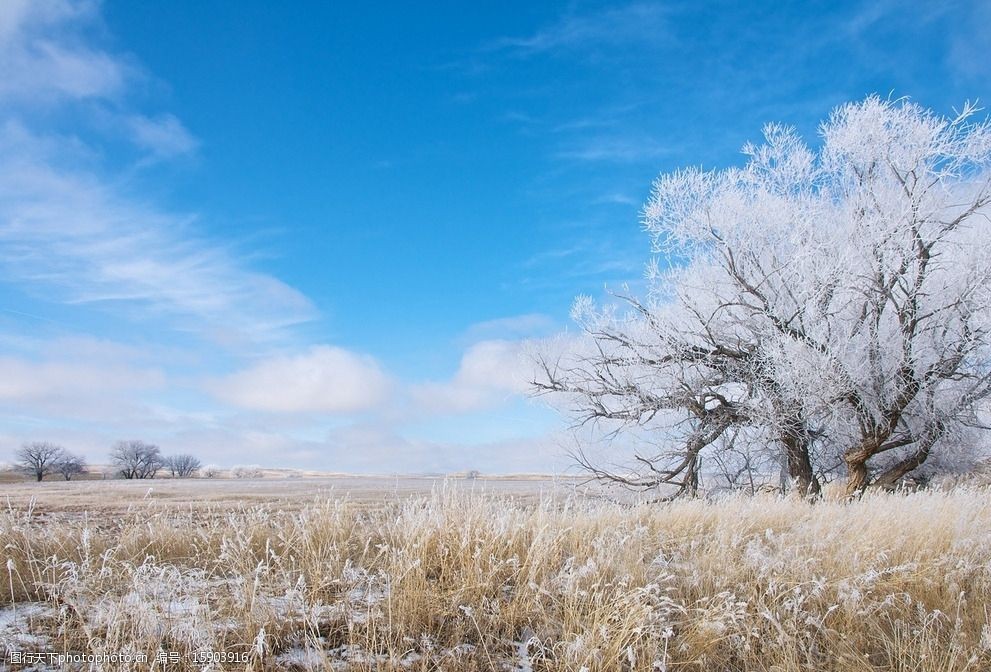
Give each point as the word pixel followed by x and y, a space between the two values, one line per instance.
pixel 42 458
pixel 131 459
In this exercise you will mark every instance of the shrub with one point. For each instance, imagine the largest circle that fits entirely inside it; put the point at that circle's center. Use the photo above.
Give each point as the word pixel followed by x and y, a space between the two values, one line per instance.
pixel 247 471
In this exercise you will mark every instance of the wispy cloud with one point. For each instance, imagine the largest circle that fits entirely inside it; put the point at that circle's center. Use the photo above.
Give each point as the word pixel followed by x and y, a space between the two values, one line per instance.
pixel 510 328
pixel 43 58
pixel 616 198
pixel 163 136
pixel 365 448
pixel 633 25
pixel 71 231
pixel 970 46
pixel 594 249
pixel 78 235
pixel 615 149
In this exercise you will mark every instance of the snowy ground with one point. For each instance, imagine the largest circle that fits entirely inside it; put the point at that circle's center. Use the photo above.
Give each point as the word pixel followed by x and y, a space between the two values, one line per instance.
pixel 289 493
pixel 460 581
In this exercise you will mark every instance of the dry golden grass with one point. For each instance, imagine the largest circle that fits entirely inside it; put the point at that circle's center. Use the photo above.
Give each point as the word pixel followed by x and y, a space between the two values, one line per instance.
pixel 455 581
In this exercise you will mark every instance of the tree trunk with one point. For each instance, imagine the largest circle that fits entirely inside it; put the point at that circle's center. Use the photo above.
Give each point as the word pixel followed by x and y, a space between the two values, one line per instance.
pixel 800 465
pixel 856 470
pixel 858 477
pixel 856 480
pixel 692 477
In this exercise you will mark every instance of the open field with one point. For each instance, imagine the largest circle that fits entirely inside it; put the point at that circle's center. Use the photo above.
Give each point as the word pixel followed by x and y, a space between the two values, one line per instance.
pixel 164 494
pixel 416 574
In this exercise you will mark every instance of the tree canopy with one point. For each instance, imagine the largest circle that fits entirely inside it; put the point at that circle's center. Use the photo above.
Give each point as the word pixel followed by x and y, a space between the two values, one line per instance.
pixel 823 308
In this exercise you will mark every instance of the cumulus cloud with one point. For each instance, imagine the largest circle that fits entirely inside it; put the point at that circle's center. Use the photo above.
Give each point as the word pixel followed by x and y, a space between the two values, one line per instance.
pixel 490 373
pixel 25 380
pixel 66 383
pixel 325 379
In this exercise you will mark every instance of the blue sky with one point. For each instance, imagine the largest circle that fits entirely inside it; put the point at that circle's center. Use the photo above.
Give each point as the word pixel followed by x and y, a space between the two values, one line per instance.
pixel 314 235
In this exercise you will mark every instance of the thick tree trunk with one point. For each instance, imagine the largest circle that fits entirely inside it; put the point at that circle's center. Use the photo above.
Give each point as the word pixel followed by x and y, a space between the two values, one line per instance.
pixel 800 465
pixel 796 439
pixel 857 476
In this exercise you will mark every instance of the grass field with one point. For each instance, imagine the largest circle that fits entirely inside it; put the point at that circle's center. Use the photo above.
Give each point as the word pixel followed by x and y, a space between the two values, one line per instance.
pixel 419 574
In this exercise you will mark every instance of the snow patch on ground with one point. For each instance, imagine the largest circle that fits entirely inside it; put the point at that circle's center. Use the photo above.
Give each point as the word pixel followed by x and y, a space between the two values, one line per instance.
pixel 20 625
pixel 340 658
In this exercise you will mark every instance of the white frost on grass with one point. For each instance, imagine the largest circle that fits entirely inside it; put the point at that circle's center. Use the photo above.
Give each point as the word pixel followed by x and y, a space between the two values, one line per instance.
pixel 527 640
pixel 300 658
pixel 17 625
pixel 341 658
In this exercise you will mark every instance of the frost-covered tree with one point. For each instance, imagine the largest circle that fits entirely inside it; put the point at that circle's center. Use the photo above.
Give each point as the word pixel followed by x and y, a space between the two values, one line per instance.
pixel 136 459
pixel 69 465
pixel 211 471
pixel 182 466
pixel 827 307
pixel 39 458
pixel 247 471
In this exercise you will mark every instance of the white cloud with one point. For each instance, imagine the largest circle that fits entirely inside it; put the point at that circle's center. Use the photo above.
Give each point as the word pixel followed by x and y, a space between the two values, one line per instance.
pixel 364 448
pixel 615 149
pixel 164 136
pixel 71 231
pixel 323 380
pixel 44 60
pixel 28 381
pixel 634 24
pixel 55 393
pixel 514 327
pixel 361 448
pixel 498 365
pixel 616 198
pixel 490 373
pixel 970 44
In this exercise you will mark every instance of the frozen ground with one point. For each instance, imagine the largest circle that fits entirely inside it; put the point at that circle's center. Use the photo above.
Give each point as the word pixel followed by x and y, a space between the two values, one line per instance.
pixel 423 575
pixel 107 496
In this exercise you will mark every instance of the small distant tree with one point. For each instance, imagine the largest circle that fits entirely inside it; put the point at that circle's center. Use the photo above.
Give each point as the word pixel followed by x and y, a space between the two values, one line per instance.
pixel 70 465
pixel 211 471
pixel 39 458
pixel 136 459
pixel 247 471
pixel 182 466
